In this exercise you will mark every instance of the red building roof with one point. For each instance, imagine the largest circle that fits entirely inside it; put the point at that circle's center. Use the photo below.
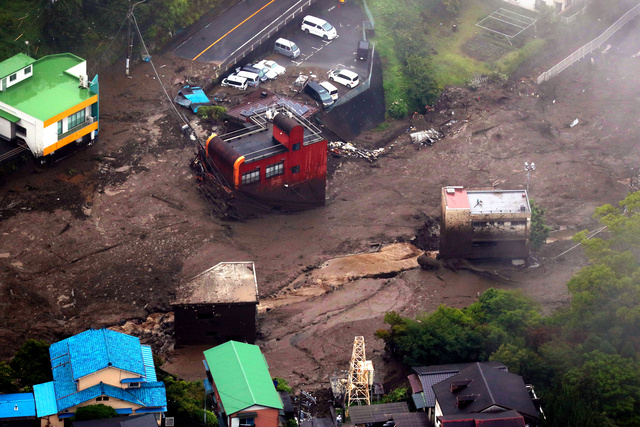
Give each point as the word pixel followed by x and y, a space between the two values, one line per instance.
pixel 456 198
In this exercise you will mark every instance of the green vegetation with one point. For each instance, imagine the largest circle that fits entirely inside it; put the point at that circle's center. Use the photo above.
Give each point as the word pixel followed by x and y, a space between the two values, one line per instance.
pixel 94 412
pixel 422 52
pixel 30 365
pixel 396 395
pixel 185 401
pixel 539 228
pixel 214 112
pixel 583 359
pixel 282 384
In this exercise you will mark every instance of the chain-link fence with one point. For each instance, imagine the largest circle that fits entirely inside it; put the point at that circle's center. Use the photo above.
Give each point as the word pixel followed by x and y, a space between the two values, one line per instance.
pixel 589 47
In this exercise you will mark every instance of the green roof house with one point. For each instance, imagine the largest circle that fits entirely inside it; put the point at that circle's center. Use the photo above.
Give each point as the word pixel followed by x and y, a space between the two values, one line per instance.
pixel 240 386
pixel 48 103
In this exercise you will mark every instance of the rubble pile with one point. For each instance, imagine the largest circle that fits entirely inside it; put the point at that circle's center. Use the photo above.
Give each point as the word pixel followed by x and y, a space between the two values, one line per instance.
pixel 348 149
pixel 426 137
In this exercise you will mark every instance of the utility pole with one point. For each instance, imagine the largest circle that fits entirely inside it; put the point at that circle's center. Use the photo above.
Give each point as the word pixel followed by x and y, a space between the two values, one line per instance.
pixel 130 36
pixel 529 167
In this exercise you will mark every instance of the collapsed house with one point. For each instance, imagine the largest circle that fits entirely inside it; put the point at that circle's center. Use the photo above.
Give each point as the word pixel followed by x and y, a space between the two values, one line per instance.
pixel 484 224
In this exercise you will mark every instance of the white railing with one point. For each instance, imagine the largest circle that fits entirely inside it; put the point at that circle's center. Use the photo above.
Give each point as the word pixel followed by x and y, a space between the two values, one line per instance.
pixel 589 47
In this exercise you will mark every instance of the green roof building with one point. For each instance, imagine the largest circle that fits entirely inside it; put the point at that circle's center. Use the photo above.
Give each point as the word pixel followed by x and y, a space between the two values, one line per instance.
pixel 240 386
pixel 48 103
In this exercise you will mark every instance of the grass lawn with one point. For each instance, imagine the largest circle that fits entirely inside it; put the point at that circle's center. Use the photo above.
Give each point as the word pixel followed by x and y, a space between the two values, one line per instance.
pixel 450 63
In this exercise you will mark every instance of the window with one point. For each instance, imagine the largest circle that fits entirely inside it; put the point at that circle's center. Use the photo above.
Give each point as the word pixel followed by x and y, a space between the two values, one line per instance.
pixel 20 130
pixel 249 177
pixel 60 127
pixel 133 385
pixel 12 77
pixel 102 398
pixel 275 169
pixel 248 422
pixel 295 169
pixel 295 147
pixel 76 119
pixel 478 224
pixel 27 70
pixel 204 316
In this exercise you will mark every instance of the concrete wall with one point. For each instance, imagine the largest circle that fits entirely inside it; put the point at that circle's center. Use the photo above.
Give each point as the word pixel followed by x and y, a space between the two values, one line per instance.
pixel 215 323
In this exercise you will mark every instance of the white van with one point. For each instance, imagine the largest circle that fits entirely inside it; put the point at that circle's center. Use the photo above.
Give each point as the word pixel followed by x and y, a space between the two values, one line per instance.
pixel 333 91
pixel 318 27
pixel 253 79
pixel 287 48
pixel 235 81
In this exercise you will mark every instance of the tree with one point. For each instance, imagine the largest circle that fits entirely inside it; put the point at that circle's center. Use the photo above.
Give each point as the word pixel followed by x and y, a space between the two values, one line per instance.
pixel 7 379
pixel 539 228
pixel 424 89
pixel 32 364
pixel 65 23
pixel 94 412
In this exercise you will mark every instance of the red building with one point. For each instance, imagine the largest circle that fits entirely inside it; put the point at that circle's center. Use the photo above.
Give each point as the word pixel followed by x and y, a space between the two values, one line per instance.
pixel 279 159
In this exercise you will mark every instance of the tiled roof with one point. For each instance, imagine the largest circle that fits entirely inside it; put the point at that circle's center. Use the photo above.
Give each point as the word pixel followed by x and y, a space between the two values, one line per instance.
pixel 94 350
pixel 50 90
pixel 149 395
pixel 17 405
pixel 45 396
pixel 241 376
pixel 149 367
pixel 487 387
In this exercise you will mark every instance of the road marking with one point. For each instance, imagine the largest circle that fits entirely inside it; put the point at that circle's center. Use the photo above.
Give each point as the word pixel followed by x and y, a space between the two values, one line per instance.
pixel 233 29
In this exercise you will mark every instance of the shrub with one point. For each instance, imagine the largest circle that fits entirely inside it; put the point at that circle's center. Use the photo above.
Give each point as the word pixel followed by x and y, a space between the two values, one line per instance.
pixel 94 412
pixel 398 109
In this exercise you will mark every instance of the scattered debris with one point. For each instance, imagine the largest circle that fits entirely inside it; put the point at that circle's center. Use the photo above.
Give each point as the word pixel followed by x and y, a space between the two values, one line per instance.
pixel 573 123
pixel 517 262
pixel 348 149
pixel 426 137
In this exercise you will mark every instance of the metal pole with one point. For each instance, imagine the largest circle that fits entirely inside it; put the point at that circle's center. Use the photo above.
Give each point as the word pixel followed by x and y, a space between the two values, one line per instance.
pixel 130 37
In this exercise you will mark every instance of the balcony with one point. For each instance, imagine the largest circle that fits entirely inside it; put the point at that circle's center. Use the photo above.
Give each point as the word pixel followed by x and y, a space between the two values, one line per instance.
pixel 89 121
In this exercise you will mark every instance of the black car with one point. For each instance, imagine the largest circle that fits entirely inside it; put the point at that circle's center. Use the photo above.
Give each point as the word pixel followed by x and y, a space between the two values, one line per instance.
pixel 318 93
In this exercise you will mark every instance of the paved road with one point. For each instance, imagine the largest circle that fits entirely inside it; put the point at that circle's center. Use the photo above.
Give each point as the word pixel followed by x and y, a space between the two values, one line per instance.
pixel 237 26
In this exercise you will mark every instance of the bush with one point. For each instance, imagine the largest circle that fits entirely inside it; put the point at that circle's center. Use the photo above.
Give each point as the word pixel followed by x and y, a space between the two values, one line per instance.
pixel 94 412
pixel 539 228
pixel 282 384
pixel 398 109
pixel 214 112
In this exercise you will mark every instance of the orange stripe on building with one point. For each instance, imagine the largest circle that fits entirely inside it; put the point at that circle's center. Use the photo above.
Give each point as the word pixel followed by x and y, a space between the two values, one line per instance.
pixel 206 147
pixel 71 110
pixel 68 139
pixel 236 172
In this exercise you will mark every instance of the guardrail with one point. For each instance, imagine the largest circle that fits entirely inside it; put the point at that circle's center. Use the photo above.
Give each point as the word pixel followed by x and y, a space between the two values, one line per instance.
pixel 265 34
pixel 589 47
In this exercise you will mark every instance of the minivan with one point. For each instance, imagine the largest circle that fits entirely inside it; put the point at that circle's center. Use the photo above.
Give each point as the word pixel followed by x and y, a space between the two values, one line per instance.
pixel 287 48
pixel 318 93
pixel 333 91
pixel 318 27
pixel 235 81
pixel 253 80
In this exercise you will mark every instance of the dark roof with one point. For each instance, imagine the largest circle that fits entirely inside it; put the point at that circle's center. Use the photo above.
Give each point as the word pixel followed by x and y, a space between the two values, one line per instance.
pixel 416 385
pixel 144 420
pixel 486 387
pixel 430 375
pixel 492 419
pixel 411 419
pixel 287 404
pixel 376 413
pixel 258 145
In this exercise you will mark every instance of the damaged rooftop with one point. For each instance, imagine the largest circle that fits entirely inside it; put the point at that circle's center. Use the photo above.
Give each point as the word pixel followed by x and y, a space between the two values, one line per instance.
pixel 227 282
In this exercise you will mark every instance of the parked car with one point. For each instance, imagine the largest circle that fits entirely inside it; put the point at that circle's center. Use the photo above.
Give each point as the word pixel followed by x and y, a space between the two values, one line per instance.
pixel 262 74
pixel 363 50
pixel 273 65
pixel 318 27
pixel 253 80
pixel 344 77
pixel 235 81
pixel 265 71
pixel 318 93
pixel 333 91
pixel 287 48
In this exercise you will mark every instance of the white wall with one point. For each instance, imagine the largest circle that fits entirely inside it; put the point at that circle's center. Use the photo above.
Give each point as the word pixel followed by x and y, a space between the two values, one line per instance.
pixel 20 76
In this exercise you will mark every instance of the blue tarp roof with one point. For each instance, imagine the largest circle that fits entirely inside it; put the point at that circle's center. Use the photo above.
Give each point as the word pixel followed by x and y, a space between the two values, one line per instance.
pixel 17 405
pixel 192 97
pixel 149 394
pixel 45 396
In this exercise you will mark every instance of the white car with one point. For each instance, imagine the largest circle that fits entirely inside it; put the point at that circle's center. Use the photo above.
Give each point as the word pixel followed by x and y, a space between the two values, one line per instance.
pixel 344 77
pixel 273 65
pixel 266 71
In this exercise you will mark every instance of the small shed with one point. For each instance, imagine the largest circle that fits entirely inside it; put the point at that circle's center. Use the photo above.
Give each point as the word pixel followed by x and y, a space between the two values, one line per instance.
pixel 218 305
